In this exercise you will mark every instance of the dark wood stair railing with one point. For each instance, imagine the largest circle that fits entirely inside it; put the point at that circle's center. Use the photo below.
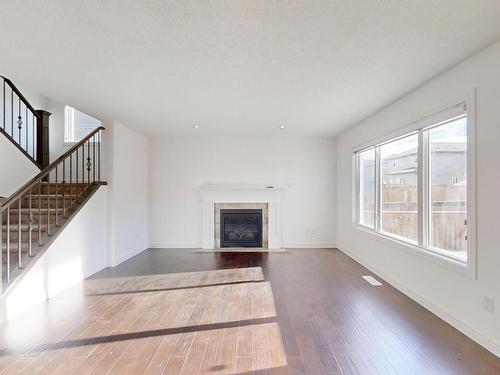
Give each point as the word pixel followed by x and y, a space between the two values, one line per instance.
pixel 26 127
pixel 31 217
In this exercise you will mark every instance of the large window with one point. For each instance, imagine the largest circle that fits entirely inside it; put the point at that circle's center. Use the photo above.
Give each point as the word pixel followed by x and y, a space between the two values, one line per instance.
pixel 398 187
pixel 414 188
pixel 77 125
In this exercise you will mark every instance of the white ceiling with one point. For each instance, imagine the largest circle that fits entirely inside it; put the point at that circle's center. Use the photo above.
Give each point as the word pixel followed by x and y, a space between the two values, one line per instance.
pixel 237 67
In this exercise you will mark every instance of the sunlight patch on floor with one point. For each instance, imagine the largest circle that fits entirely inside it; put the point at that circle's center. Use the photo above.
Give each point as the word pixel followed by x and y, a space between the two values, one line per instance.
pixel 220 321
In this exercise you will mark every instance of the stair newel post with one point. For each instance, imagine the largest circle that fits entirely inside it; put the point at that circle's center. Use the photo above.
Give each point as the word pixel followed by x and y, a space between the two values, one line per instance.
pixel 42 138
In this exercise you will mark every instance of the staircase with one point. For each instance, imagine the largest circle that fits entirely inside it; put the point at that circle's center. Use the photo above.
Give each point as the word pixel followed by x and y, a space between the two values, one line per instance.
pixel 33 217
pixel 24 126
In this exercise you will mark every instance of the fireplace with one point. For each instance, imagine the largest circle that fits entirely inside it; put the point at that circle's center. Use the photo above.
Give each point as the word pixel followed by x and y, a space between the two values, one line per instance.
pixel 240 228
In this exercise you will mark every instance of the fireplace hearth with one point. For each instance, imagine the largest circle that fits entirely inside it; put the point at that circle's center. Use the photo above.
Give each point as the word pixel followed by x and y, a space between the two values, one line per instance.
pixel 240 228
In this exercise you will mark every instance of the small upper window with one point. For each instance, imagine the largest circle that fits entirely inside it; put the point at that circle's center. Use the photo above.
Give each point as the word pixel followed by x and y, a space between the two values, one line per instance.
pixel 77 125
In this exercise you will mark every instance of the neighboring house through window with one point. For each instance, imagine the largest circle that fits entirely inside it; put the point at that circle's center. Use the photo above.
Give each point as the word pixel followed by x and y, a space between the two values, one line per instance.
pixel 415 188
pixel 77 125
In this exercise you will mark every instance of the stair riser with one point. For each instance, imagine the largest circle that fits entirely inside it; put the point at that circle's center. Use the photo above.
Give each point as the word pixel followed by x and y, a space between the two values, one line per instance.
pixel 14 219
pixel 43 200
pixel 15 253
pixel 24 229
pixel 52 203
pixel 59 189
pixel 47 186
pixel 24 236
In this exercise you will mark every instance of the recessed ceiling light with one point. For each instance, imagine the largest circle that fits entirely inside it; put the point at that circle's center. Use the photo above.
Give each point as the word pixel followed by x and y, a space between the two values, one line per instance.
pixel 282 126
pixel 196 126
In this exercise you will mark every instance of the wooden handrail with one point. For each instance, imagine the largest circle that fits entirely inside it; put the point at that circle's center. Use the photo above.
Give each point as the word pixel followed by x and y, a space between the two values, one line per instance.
pixel 35 180
pixel 30 137
pixel 21 96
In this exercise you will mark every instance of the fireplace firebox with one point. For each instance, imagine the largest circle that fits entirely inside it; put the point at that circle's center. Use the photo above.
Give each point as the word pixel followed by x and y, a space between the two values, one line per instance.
pixel 240 228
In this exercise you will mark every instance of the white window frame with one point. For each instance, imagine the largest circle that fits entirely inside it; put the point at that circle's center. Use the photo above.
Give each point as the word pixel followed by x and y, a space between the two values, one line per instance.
pixel 422 246
pixel 69 126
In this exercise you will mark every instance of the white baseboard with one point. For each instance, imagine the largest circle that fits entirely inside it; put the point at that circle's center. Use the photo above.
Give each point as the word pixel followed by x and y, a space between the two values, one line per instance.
pixel 487 342
pixel 123 258
pixel 175 246
pixel 293 245
pixel 309 245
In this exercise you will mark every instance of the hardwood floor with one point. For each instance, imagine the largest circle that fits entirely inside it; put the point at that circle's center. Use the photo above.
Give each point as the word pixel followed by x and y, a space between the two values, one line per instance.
pixel 177 311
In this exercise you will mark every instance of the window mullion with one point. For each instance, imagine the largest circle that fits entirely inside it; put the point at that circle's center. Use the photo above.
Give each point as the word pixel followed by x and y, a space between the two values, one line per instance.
pixel 423 189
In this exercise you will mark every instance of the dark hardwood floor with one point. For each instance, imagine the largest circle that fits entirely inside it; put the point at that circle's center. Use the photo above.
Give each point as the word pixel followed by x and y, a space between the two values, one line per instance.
pixel 311 309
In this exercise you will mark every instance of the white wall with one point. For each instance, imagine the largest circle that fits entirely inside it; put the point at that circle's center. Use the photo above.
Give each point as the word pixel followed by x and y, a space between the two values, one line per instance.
pixel 180 165
pixel 452 295
pixel 78 252
pixel 15 168
pixel 127 155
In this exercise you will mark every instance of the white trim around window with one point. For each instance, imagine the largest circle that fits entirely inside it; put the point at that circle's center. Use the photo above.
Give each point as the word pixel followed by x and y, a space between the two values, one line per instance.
pixel 420 243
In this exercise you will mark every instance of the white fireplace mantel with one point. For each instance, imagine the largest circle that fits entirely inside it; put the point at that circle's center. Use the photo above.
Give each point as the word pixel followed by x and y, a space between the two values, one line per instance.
pixel 273 196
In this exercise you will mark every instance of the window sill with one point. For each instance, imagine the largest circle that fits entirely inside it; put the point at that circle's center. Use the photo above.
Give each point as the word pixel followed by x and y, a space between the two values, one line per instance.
pixel 436 256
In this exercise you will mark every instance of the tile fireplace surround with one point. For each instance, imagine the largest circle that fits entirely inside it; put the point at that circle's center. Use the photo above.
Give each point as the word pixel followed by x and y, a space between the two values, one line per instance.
pixel 217 197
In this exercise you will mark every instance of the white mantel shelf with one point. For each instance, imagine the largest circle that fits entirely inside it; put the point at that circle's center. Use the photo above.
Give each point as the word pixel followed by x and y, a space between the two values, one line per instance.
pixel 212 194
pixel 241 187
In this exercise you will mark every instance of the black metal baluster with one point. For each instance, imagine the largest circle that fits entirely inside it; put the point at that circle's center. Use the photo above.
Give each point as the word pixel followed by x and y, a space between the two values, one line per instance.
pixel 19 233
pixel 99 157
pixel 11 112
pixel 33 134
pixel 19 121
pixel 40 213
pixel 48 204
pixel 88 163
pixel 35 137
pixel 93 158
pixel 30 225
pixel 26 129
pixel 83 165
pixel 71 181
pixel 7 276
pixel 64 188
pixel 57 201
pixel 4 100
pixel 77 164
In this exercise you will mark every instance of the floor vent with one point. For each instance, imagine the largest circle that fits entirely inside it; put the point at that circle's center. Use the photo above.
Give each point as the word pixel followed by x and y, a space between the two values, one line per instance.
pixel 372 280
